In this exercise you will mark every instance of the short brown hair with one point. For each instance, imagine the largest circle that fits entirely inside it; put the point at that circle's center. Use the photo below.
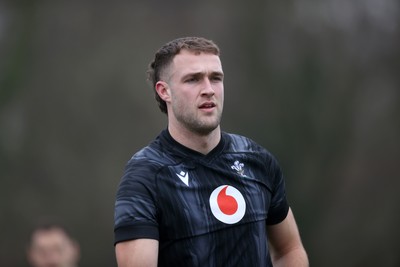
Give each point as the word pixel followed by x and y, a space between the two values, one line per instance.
pixel 166 53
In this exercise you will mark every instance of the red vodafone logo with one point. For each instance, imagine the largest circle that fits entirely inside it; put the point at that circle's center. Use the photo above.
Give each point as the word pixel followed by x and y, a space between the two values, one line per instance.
pixel 227 204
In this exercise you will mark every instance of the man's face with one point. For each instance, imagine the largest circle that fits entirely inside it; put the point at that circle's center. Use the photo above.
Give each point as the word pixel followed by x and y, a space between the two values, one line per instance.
pixel 52 248
pixel 196 88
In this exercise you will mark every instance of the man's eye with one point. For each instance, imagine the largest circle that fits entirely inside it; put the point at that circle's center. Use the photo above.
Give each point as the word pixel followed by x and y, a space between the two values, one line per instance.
pixel 190 80
pixel 216 78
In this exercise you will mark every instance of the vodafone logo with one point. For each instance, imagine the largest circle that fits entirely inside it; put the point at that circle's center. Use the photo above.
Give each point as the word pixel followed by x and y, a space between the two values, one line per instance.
pixel 227 204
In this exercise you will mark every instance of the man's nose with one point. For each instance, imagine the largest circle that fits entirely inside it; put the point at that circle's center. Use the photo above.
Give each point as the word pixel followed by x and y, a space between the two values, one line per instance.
pixel 208 88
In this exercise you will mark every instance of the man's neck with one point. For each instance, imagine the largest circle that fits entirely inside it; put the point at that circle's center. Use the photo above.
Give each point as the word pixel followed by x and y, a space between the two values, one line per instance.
pixel 198 142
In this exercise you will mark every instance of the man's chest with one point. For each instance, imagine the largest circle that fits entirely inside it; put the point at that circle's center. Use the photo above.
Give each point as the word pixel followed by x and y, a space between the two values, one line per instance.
pixel 197 198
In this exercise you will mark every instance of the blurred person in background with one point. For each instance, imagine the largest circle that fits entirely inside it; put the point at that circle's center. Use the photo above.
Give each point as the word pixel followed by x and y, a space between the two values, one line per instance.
pixel 197 196
pixel 51 245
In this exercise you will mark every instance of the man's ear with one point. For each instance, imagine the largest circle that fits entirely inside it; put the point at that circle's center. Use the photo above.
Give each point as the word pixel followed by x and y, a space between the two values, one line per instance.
pixel 163 91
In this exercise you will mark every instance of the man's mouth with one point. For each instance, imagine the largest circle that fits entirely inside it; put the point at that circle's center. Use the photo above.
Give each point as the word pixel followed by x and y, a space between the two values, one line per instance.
pixel 207 105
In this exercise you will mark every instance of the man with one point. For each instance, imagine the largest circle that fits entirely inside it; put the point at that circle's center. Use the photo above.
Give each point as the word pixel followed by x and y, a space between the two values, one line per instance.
pixel 197 196
pixel 52 246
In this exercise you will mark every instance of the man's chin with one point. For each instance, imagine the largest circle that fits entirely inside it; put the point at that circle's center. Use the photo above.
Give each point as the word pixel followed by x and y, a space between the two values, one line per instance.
pixel 206 129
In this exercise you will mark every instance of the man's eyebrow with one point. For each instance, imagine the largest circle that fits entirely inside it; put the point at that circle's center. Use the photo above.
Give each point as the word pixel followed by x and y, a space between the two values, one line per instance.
pixel 201 74
pixel 192 74
pixel 217 73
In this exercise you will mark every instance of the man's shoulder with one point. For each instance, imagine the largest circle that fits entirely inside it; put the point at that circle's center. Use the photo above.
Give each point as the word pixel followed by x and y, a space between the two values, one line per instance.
pixel 152 154
pixel 147 162
pixel 240 143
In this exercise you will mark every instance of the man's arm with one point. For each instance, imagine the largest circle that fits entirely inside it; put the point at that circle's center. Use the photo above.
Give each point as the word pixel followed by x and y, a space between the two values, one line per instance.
pixel 137 253
pixel 286 247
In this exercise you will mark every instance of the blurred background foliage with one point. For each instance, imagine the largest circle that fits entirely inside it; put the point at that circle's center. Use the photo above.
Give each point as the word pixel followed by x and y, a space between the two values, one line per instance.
pixel 316 82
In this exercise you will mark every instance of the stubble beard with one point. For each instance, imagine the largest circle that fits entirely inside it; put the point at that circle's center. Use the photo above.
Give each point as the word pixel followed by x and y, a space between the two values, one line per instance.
pixel 198 125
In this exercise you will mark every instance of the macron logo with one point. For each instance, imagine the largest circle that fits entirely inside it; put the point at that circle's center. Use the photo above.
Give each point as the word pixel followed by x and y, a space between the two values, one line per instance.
pixel 184 176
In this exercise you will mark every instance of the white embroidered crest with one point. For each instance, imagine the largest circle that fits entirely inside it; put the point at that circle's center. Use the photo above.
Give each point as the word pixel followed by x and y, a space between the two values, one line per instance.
pixel 238 167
